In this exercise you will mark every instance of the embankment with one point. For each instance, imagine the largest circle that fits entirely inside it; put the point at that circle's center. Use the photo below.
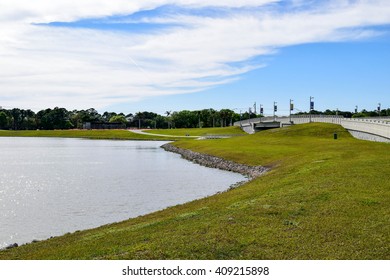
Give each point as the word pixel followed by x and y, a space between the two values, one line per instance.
pixel 216 162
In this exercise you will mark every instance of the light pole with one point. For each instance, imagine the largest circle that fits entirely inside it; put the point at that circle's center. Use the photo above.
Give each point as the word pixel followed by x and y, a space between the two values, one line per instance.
pixel 311 106
pixel 261 111
pixel 275 110
pixel 379 109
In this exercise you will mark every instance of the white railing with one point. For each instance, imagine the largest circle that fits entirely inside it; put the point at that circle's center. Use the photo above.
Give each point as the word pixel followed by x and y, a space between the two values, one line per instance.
pixel 376 126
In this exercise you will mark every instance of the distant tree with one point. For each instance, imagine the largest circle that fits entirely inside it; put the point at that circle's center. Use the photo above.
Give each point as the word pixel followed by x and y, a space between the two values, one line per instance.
pixel 4 120
pixel 226 116
pixel 139 117
pixel 147 120
pixel 78 118
pixel 199 114
pixel 160 122
pixel 118 119
pixel 236 117
pixel 129 117
pixel 108 115
pixel 92 115
pixel 185 119
pixel 57 118
pixel 359 115
pixel 212 114
pixel 17 118
pixel 29 121
pixel 168 119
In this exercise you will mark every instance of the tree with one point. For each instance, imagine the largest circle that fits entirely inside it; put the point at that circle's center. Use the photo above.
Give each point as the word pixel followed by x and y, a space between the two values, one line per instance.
pixel 108 115
pixel 79 117
pixel 17 118
pixel 57 118
pixel 28 119
pixel 118 119
pixel 226 115
pixel 185 119
pixel 147 119
pixel 160 122
pixel 212 114
pixel 139 117
pixel 168 118
pixel 4 120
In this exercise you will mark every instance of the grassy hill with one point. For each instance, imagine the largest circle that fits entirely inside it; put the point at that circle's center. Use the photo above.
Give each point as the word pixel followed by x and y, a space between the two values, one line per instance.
pixel 322 199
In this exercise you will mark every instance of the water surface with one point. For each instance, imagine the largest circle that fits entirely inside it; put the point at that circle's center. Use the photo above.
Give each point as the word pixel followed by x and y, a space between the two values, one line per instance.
pixel 51 186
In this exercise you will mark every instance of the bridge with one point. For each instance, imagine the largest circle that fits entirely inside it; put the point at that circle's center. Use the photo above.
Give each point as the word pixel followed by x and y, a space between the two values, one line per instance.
pixel 373 129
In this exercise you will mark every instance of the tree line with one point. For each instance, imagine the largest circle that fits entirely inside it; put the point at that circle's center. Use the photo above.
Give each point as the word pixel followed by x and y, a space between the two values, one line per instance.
pixel 61 118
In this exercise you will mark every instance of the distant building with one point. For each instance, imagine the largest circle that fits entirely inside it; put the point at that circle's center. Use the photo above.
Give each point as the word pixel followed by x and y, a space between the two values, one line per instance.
pixel 103 125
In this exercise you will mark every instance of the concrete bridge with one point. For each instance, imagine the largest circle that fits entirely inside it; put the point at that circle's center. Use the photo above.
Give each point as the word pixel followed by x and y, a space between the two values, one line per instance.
pixel 373 129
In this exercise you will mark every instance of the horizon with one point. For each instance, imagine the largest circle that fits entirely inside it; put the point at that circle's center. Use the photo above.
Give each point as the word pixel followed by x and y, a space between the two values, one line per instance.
pixel 177 55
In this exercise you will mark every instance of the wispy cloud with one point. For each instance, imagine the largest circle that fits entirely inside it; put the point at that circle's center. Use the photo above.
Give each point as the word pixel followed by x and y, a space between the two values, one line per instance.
pixel 44 66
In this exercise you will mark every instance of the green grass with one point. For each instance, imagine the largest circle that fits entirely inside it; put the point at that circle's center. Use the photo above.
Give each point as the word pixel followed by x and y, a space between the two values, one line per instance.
pixel 323 199
pixel 231 130
pixel 90 134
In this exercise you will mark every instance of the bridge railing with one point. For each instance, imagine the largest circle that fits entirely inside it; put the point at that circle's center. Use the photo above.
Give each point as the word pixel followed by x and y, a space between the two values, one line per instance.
pixel 297 119
pixel 374 126
pixel 372 120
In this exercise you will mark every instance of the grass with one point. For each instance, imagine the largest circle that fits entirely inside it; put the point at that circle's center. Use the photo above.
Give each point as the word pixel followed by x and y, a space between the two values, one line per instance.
pixel 199 131
pixel 90 134
pixel 323 199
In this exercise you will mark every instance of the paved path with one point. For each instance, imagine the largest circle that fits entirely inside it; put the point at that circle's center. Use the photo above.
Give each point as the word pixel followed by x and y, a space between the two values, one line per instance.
pixel 161 135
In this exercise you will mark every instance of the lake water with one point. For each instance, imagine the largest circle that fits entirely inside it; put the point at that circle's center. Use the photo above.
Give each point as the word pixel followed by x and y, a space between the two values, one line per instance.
pixel 51 186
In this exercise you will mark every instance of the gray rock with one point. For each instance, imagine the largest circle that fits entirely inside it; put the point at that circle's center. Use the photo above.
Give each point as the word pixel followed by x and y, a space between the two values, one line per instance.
pixel 12 246
pixel 216 162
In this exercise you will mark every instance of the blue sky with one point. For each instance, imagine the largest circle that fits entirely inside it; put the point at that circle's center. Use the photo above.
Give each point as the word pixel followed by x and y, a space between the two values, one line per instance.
pixel 338 76
pixel 130 56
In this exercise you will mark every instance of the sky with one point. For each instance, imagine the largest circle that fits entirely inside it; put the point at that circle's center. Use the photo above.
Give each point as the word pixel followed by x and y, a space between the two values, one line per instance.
pixel 170 55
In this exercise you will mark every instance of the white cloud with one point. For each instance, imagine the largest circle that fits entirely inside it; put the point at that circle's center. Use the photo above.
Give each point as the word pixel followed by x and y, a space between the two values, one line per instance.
pixel 45 66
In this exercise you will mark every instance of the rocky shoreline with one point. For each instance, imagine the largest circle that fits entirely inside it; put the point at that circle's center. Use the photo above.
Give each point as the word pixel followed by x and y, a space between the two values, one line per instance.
pixel 216 162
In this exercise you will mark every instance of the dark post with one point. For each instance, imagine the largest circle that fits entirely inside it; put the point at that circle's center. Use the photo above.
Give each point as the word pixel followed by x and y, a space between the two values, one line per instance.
pixel 261 111
pixel 275 110
pixel 311 106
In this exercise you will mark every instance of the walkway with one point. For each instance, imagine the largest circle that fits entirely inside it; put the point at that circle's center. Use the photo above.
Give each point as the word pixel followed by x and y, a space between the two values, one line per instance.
pixel 138 131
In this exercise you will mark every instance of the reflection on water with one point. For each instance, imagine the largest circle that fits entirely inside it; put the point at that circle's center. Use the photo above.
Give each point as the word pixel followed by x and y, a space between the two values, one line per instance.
pixel 51 186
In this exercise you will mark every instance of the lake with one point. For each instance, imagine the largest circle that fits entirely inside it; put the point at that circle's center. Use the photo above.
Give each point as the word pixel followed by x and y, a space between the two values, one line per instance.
pixel 52 186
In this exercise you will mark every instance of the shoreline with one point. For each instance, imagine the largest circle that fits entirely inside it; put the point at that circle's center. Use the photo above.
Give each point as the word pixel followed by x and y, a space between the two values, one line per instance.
pixel 205 160
pixel 216 162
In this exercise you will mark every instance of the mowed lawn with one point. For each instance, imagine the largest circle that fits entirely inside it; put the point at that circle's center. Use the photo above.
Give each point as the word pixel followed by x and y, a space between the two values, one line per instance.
pixel 231 130
pixel 89 134
pixel 322 199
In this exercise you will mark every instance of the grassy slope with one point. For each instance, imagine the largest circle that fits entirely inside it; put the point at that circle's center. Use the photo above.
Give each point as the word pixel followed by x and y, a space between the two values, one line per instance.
pixel 323 199
pixel 90 134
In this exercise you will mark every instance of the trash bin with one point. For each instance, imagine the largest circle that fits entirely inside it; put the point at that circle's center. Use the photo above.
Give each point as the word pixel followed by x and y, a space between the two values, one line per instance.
pixel 335 136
